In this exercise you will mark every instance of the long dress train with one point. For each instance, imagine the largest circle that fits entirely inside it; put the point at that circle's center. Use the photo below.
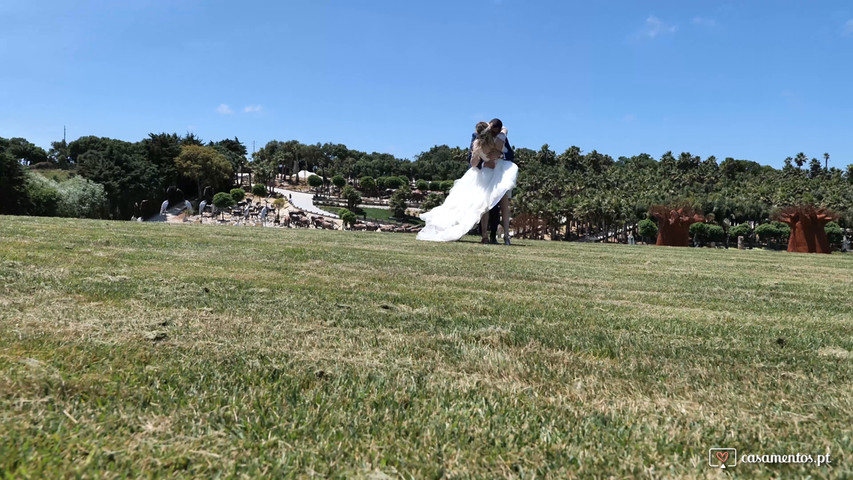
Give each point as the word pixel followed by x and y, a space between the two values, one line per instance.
pixel 472 195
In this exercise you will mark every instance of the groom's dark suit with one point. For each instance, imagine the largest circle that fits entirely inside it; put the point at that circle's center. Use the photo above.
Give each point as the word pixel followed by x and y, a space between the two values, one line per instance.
pixel 495 212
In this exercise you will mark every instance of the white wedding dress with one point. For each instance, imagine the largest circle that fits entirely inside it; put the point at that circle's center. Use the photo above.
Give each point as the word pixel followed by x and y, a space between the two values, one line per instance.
pixel 472 195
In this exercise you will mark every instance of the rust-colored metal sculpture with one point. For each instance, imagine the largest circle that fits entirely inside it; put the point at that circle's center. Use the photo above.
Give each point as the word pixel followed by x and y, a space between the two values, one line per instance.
pixel 528 226
pixel 674 224
pixel 807 228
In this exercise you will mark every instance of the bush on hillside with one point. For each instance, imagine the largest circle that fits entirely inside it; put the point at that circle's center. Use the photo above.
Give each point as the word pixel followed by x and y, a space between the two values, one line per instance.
pixel 259 190
pixel 352 197
pixel 238 194
pixel 339 181
pixel 82 198
pixel 431 201
pixel 43 195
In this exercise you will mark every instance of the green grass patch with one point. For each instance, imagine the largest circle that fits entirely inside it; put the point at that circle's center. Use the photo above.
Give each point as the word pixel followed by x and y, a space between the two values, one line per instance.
pixel 156 350
pixel 55 174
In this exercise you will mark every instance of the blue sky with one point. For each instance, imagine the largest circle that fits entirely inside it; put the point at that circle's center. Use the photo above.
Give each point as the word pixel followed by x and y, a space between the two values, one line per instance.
pixel 758 80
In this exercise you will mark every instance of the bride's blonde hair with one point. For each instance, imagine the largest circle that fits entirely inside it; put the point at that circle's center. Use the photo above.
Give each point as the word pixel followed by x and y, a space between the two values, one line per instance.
pixel 486 140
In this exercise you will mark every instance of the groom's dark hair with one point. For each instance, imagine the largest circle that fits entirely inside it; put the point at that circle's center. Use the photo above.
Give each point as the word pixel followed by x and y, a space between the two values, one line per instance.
pixel 497 122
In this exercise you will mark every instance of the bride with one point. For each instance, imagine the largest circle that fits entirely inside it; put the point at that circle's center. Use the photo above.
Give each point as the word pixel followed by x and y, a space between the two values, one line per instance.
pixel 476 192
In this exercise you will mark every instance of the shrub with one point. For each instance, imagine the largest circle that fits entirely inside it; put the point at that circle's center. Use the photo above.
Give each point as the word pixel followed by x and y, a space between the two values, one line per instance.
pixel 348 217
pixel 315 181
pixel 699 232
pixel 13 185
pixel 42 166
pixel 432 200
pixel 394 182
pixel 82 198
pixel 766 232
pixel 435 186
pixel 223 200
pixel 742 230
pixel 422 185
pixel 716 233
pixel 783 229
pixel 339 181
pixel 446 185
pixel 238 194
pixel 775 231
pixel 367 185
pixel 43 195
pixel 259 190
pixel 647 229
pixel 398 202
pixel 834 233
pixel 352 197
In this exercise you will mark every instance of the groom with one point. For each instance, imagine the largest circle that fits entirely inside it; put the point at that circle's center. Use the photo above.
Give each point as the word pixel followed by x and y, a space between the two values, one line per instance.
pixel 508 154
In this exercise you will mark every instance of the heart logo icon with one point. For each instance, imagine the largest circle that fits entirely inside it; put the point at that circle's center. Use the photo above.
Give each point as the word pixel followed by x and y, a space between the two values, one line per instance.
pixel 722 456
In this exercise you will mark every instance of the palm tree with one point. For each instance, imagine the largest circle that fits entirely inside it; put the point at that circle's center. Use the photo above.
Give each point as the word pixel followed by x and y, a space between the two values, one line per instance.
pixel 826 161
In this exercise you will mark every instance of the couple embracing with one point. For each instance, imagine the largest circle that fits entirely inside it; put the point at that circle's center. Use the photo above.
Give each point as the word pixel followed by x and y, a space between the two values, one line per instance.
pixel 485 187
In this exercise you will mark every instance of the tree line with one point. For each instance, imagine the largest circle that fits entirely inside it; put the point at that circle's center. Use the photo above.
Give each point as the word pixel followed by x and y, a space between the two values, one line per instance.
pixel 577 194
pixel 572 193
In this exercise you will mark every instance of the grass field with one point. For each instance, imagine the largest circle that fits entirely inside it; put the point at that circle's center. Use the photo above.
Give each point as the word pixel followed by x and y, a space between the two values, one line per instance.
pixel 135 350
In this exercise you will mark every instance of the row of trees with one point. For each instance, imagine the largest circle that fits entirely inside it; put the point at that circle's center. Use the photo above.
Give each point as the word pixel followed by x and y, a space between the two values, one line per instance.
pixel 574 193
pixel 579 194
pixel 128 173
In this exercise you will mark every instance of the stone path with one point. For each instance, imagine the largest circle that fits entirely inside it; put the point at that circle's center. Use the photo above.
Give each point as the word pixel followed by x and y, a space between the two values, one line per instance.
pixel 303 201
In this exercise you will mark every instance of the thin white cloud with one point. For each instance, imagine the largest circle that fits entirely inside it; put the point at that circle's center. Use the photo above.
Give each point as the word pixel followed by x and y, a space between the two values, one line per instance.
pixel 705 22
pixel 848 29
pixel 655 27
pixel 253 108
pixel 223 109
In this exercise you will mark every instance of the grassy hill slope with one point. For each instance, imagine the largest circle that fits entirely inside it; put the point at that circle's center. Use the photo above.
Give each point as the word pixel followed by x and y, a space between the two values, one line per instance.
pixel 194 351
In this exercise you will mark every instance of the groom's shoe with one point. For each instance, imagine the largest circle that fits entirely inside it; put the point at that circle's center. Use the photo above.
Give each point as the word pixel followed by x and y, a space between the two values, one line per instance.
pixel 493 239
pixel 506 240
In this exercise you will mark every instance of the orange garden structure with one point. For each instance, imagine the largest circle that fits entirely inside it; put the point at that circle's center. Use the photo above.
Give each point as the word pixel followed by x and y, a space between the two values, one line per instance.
pixel 674 224
pixel 807 228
